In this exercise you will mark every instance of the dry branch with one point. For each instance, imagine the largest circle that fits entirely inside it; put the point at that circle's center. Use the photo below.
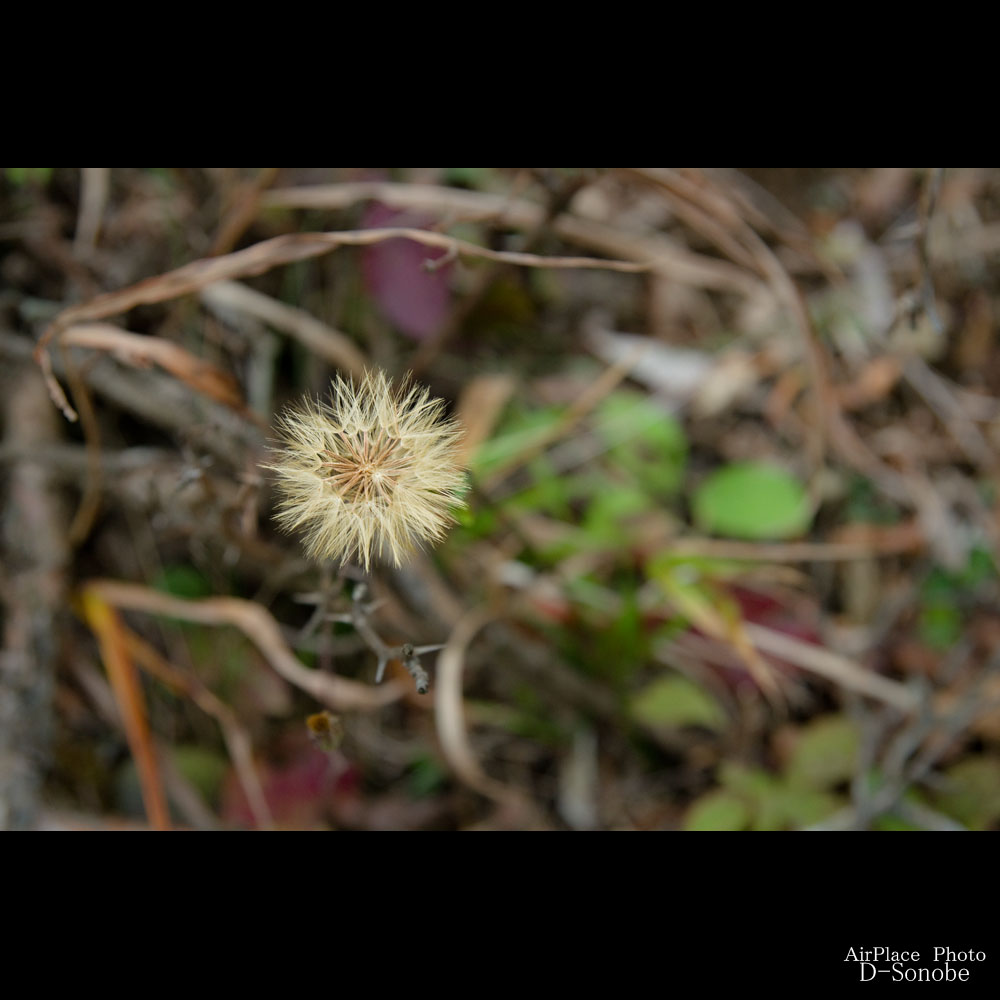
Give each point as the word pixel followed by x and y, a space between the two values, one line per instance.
pixel 317 337
pixel 652 252
pixel 263 631
pixel 142 351
pixel 263 257
pixel 832 666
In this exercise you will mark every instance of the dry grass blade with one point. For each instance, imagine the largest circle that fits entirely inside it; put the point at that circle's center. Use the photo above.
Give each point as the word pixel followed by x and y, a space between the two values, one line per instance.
pixel 450 715
pixel 721 620
pixel 423 198
pixel 236 738
pixel 319 338
pixel 829 424
pixel 687 199
pixel 243 211
pixel 262 630
pixel 90 502
pixel 105 624
pixel 832 666
pixel 95 184
pixel 141 352
pixel 862 542
pixel 652 252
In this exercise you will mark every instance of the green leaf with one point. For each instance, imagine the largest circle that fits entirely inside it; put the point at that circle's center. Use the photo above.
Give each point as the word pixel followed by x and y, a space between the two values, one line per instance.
pixel 940 625
pixel 979 568
pixel 798 807
pixel 749 782
pixel 890 822
pixel 752 500
pixel 20 176
pixel 621 647
pixel 826 753
pixel 646 441
pixel 519 432
pixel 607 512
pixel 183 581
pixel 973 793
pixel 718 810
pixel 676 701
pixel 473 177
pixel 426 777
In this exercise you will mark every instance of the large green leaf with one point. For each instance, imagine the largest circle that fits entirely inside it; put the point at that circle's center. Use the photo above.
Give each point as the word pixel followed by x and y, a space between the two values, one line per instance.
pixel 676 701
pixel 973 793
pixel 643 439
pixel 718 810
pixel 752 500
pixel 520 431
pixel 826 753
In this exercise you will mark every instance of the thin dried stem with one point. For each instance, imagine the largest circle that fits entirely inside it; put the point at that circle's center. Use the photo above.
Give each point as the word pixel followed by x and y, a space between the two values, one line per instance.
pixel 260 627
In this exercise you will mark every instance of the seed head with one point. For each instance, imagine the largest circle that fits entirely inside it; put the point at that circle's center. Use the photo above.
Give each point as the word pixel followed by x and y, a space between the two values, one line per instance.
pixel 371 473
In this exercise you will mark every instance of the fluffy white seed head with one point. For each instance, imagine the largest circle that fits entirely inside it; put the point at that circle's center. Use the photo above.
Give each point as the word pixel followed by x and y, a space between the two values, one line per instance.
pixel 370 474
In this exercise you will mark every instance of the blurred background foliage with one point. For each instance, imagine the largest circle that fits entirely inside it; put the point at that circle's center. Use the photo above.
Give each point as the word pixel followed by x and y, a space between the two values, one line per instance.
pixel 709 499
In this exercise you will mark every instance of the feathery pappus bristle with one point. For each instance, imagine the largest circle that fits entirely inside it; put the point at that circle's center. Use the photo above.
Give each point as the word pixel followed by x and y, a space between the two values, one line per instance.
pixel 370 474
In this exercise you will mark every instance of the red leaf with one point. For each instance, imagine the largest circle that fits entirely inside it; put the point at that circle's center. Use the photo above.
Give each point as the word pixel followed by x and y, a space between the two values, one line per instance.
pixel 415 300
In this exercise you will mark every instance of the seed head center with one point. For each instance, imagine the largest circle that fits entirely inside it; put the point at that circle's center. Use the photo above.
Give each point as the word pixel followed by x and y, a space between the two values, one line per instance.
pixel 364 467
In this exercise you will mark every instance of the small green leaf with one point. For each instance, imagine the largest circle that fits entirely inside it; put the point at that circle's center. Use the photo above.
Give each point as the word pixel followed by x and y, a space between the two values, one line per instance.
pixel 643 439
pixel 940 625
pixel 472 177
pixel 183 581
pixel 718 810
pixel 799 807
pixel 826 753
pixel 519 433
pixel 973 793
pixel 752 500
pixel 607 513
pixel 752 783
pixel 889 822
pixel 20 176
pixel 676 701
pixel 979 568
pixel 426 777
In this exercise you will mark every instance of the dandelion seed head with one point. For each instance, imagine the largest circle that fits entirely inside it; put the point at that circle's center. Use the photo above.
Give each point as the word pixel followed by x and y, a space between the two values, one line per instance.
pixel 369 474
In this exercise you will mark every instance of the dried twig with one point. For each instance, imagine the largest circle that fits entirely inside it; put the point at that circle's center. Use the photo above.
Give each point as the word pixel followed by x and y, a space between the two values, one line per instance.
pixel 928 202
pixel 236 738
pixel 142 351
pixel 263 257
pixel 407 654
pixel 95 182
pixel 832 666
pixel 885 541
pixel 106 625
pixel 260 627
pixel 243 210
pixel 449 713
pixel 317 337
pixel 659 254
pixel 161 400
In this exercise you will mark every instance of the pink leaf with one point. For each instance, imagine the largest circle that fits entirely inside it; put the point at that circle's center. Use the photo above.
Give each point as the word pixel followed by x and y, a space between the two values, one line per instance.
pixel 415 300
